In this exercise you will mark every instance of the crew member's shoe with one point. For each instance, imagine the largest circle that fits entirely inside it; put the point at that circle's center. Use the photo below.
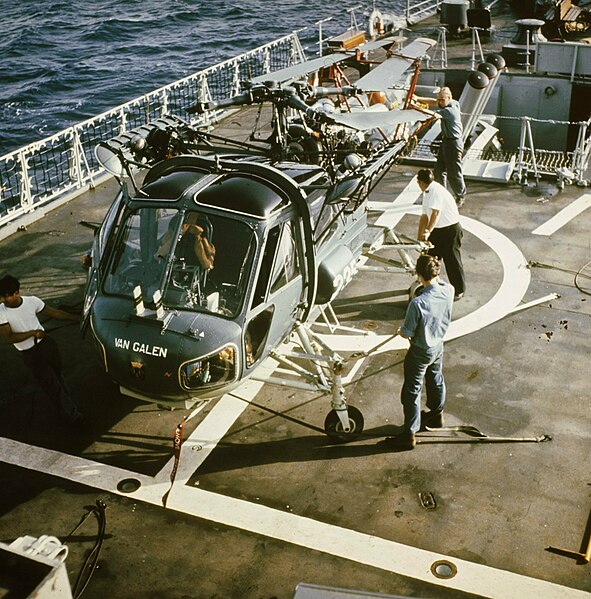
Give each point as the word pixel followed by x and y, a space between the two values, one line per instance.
pixel 458 296
pixel 460 201
pixel 431 420
pixel 401 442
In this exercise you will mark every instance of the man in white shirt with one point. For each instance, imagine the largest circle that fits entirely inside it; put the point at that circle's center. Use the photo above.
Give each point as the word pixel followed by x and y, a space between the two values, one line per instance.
pixel 19 325
pixel 440 224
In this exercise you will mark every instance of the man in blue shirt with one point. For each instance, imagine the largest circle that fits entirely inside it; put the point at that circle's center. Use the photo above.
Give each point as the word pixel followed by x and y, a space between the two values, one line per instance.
pixel 427 319
pixel 449 158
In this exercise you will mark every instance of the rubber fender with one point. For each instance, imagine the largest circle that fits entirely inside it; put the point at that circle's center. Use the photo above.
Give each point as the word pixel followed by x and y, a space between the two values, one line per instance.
pixel 488 69
pixel 477 80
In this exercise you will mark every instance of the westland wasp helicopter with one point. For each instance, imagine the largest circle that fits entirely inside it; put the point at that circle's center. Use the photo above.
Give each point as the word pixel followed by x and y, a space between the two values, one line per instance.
pixel 227 248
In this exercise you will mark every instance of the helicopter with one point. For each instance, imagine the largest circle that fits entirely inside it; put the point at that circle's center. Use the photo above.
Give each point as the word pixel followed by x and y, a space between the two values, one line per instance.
pixel 228 249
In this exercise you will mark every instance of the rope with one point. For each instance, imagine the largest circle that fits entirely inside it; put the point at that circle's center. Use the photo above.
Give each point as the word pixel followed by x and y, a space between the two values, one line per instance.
pixel 578 273
pixel 177 442
pixel 476 436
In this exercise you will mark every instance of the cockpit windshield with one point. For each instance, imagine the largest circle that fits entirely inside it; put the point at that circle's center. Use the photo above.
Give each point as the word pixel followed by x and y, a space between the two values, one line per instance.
pixel 197 261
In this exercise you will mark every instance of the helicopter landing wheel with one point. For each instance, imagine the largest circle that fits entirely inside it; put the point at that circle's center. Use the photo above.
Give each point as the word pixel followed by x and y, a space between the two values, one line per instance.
pixel 334 429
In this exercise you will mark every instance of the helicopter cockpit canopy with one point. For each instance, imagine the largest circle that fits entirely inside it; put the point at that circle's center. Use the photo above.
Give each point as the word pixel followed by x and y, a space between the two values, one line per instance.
pixel 197 261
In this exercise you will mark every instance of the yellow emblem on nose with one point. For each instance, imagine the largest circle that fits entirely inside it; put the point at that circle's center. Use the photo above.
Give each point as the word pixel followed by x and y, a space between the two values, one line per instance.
pixel 137 369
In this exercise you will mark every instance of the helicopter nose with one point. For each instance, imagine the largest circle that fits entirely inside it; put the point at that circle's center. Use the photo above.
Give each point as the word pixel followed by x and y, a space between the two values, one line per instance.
pixel 179 363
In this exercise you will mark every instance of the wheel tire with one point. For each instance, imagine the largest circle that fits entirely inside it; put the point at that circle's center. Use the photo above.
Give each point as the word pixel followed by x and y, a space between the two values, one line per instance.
pixel 334 429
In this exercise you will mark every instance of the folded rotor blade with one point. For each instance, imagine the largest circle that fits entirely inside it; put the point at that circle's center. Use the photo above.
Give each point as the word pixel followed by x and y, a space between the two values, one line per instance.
pixel 387 74
pixel 376 120
pixel 304 68
pixel 370 46
pixel 418 48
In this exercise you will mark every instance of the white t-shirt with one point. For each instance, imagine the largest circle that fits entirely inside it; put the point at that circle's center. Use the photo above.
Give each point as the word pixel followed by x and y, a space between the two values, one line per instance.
pixel 438 198
pixel 24 318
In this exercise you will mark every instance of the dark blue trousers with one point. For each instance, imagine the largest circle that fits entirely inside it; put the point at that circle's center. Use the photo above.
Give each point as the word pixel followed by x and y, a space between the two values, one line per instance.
pixel 447 243
pixel 45 363
pixel 422 365
pixel 448 168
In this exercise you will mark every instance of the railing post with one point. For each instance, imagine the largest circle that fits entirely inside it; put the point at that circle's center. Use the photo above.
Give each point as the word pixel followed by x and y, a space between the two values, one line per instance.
pixel 26 199
pixel 320 39
pixel 520 155
pixel 123 126
pixel 75 170
pixel 164 109
pixel 297 52
pixel 581 153
pixel 235 79
pixel 203 94
pixel 80 157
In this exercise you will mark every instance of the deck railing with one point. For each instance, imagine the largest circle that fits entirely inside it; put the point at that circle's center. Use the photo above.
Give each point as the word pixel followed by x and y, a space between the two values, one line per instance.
pixel 417 11
pixel 49 172
pixel 54 170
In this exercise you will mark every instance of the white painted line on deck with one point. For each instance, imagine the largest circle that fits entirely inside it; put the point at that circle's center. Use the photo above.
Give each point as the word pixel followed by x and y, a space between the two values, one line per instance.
pixel 290 528
pixel 564 216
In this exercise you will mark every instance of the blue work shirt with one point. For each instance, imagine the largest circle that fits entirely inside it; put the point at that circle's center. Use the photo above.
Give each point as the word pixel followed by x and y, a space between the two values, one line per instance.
pixel 428 315
pixel 451 120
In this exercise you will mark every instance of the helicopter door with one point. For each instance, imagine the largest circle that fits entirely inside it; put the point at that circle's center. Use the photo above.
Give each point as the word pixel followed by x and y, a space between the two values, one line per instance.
pixel 278 293
pixel 99 254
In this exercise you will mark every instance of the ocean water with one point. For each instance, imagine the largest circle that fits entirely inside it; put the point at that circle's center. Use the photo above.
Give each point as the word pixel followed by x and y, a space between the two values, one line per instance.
pixel 64 61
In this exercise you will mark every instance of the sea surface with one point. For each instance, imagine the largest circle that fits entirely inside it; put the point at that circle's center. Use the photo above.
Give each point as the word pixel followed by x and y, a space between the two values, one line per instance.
pixel 64 61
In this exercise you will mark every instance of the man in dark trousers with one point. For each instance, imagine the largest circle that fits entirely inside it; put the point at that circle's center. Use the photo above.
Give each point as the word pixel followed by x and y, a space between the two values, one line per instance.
pixel 427 319
pixel 440 224
pixel 449 157
pixel 19 325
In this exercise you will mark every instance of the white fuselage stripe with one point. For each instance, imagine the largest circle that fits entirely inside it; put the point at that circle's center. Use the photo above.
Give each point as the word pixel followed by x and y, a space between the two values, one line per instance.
pixel 564 216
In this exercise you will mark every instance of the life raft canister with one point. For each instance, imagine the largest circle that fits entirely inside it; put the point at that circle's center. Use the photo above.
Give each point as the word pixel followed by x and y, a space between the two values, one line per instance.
pixel 376 23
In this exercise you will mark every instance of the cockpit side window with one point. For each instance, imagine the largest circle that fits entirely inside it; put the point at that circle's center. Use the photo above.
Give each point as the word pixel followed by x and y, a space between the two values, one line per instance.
pixel 266 266
pixel 280 263
pixel 286 266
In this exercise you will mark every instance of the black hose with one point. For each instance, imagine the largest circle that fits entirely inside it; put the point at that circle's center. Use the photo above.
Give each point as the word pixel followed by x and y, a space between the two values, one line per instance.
pixel 90 563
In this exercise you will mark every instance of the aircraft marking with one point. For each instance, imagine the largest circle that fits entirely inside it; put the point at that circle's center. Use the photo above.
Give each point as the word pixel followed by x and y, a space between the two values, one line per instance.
pixel 564 216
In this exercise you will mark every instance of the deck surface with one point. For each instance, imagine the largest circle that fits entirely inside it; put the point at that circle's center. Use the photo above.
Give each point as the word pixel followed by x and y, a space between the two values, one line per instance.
pixel 262 503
